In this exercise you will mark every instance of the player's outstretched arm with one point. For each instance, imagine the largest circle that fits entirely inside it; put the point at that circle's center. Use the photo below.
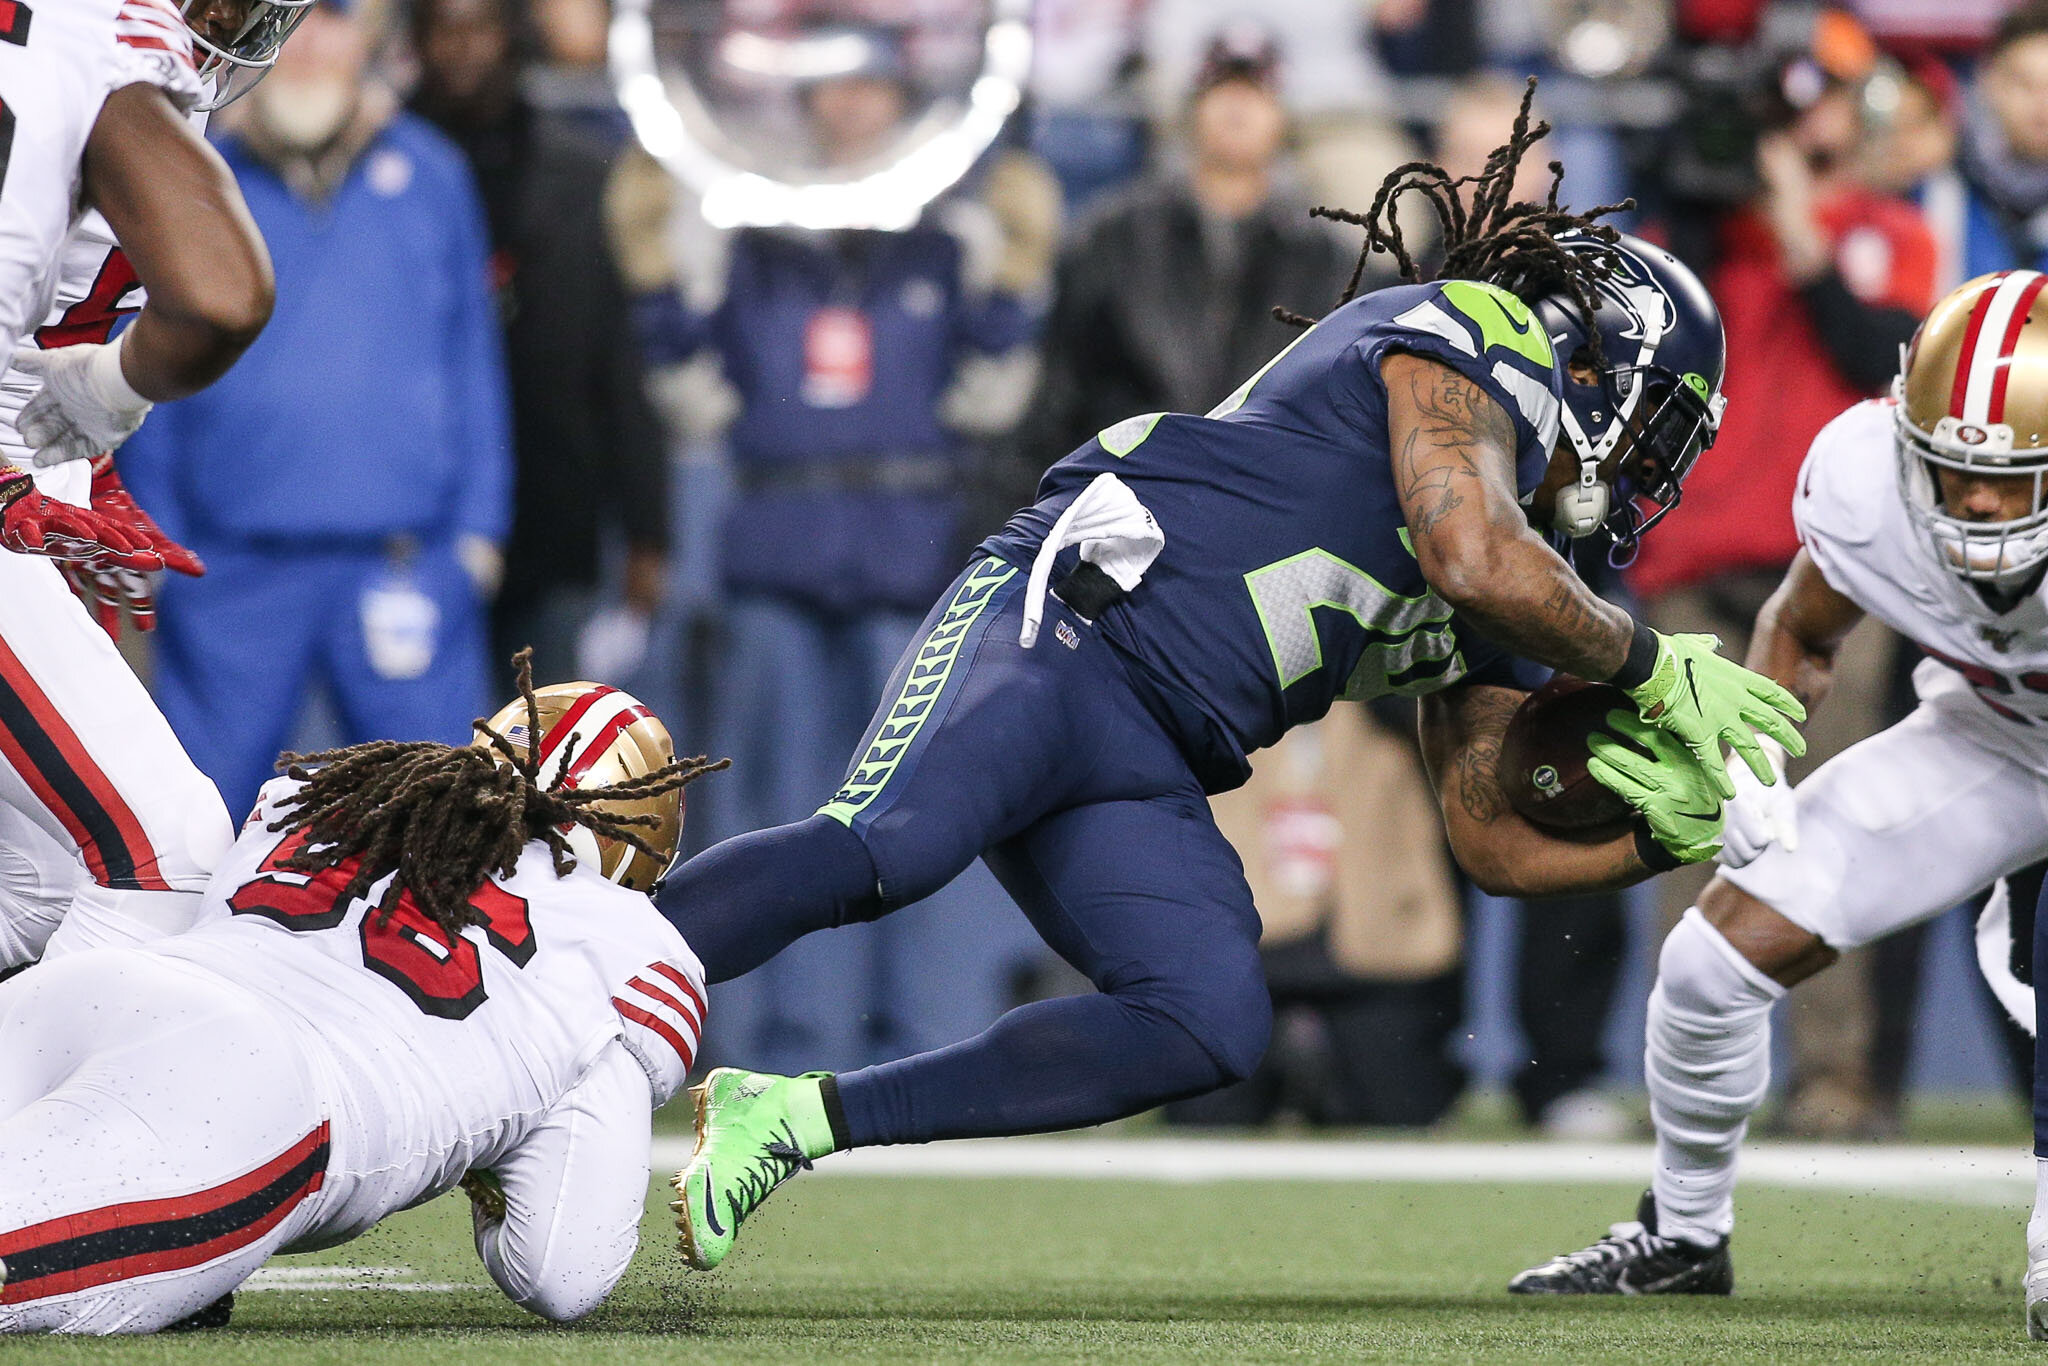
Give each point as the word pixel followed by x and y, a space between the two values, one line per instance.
pixel 1504 854
pixel 558 1219
pixel 1453 453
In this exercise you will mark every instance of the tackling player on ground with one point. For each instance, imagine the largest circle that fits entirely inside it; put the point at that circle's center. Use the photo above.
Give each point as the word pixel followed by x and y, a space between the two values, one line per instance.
pixel 103 818
pixel 1926 510
pixel 1355 520
pixel 421 966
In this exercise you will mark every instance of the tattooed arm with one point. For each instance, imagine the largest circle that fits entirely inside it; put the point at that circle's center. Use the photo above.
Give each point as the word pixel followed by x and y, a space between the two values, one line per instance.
pixel 1453 454
pixel 1504 854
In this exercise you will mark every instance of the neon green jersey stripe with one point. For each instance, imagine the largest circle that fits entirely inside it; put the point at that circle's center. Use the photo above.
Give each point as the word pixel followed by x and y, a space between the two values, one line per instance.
pixel 926 684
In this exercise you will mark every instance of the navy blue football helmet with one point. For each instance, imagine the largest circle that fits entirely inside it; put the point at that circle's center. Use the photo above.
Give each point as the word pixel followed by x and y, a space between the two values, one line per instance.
pixel 1659 387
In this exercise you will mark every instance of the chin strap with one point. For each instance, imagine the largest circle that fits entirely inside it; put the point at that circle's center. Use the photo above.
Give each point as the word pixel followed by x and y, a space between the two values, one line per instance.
pixel 1582 507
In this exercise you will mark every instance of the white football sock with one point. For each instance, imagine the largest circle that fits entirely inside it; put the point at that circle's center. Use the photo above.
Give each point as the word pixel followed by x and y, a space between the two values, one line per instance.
pixel 103 917
pixel 1708 1063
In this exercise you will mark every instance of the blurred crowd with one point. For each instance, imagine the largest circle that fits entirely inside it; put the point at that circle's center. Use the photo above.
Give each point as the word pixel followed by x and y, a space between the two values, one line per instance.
pixel 520 390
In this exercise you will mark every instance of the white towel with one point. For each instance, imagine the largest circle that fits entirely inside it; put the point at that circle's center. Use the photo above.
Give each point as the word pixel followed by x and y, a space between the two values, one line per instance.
pixel 1116 534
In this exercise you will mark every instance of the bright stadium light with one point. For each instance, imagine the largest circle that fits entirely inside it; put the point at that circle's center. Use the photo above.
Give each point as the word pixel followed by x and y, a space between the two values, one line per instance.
pixel 718 103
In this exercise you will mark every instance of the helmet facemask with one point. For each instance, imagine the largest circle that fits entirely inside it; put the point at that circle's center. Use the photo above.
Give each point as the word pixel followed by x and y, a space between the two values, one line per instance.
pixel 1639 425
pixel 2002 554
pixel 234 65
pixel 1659 423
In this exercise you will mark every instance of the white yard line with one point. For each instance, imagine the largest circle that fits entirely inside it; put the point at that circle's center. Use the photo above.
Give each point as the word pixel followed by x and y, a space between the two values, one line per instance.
pixel 309 1278
pixel 1986 1175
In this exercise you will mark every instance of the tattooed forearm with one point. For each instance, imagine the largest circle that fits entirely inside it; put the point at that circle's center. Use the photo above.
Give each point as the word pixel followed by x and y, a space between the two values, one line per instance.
pixel 1483 717
pixel 1461 731
pixel 1567 627
pixel 1572 609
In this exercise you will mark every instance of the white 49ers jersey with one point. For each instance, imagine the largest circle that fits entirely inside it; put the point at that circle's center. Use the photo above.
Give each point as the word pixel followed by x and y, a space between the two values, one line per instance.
pixel 442 1053
pixel 59 61
pixel 1986 669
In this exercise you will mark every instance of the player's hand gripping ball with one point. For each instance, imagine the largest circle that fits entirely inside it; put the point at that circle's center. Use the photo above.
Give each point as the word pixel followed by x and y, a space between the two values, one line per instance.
pixel 1543 758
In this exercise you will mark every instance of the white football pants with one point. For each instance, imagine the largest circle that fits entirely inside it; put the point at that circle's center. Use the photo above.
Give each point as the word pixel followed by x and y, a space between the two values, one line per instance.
pixel 160 1137
pixel 89 763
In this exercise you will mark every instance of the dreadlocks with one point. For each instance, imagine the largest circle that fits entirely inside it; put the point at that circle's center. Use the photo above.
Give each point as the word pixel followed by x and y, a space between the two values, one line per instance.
pixel 1510 245
pixel 444 819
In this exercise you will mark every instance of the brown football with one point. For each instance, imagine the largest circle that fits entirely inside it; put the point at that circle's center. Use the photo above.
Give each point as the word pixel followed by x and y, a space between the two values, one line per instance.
pixel 1543 757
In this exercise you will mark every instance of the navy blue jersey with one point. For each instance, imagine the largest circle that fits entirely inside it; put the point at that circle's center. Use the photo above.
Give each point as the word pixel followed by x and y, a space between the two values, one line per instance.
pixel 1287 580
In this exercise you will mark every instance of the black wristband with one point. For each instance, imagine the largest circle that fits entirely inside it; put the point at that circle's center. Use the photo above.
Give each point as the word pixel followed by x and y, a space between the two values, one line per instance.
pixel 1641 660
pixel 1654 856
pixel 835 1114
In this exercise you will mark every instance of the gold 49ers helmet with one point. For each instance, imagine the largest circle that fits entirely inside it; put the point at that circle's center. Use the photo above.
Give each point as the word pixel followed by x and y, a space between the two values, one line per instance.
pixel 606 737
pixel 1973 396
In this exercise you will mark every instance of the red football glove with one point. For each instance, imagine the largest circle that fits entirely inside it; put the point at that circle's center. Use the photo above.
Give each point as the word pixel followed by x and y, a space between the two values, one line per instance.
pixel 111 589
pixel 111 497
pixel 34 525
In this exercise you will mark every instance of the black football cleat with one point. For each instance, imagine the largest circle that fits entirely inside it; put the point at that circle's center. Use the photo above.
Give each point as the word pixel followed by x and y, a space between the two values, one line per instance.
pixel 1633 1259
pixel 215 1315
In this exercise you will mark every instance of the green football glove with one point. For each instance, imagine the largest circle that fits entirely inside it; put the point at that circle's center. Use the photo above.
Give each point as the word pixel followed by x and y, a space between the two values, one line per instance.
pixel 1707 701
pixel 1673 792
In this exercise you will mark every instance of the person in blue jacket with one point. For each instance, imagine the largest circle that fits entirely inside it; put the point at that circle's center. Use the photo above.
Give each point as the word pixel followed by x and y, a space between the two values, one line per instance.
pixel 347 483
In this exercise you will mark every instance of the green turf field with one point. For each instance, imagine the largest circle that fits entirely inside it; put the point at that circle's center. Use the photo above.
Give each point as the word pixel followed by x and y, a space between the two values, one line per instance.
pixel 1001 1269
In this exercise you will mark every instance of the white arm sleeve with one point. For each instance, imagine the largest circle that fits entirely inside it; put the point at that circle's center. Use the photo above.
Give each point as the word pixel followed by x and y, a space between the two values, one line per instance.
pixel 574 1194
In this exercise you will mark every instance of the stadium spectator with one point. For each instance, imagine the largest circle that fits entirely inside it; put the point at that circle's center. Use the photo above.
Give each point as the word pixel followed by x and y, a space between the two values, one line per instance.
pixel 347 482
pixel 2005 147
pixel 588 450
pixel 1163 301
pixel 570 78
pixel 846 520
pixel 1086 114
pixel 1821 278
pixel 1913 155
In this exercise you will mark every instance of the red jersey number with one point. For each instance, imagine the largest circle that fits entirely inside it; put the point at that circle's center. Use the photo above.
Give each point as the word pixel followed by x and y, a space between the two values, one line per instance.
pixel 440 973
pixel 92 318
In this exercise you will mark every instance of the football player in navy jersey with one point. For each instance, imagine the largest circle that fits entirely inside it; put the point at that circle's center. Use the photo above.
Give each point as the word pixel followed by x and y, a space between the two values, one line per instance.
pixel 1370 513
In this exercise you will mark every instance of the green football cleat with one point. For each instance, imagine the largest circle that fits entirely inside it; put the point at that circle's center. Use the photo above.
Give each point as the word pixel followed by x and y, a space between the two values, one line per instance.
pixel 755 1130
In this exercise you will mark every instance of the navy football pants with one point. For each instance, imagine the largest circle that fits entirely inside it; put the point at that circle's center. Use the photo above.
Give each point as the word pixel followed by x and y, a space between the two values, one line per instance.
pixel 1046 764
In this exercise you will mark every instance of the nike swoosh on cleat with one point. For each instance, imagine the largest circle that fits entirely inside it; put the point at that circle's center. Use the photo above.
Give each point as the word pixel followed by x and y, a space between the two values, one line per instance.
pixel 711 1205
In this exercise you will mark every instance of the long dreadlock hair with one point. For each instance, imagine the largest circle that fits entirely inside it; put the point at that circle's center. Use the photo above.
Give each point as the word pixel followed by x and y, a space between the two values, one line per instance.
pixel 445 818
pixel 1511 245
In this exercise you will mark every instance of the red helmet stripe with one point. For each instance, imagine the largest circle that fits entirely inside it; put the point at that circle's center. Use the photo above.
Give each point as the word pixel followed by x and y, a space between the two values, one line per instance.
pixel 595 748
pixel 559 732
pixel 1966 357
pixel 2010 341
